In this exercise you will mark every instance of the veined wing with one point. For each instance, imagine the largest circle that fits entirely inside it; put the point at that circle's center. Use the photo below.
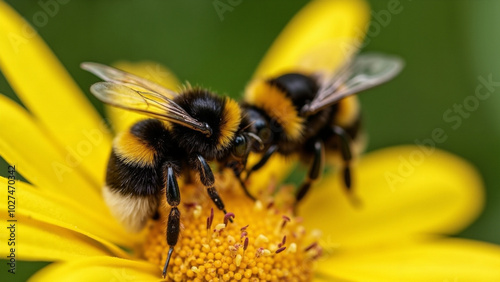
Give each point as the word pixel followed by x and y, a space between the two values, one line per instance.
pixel 148 103
pixel 361 73
pixel 111 74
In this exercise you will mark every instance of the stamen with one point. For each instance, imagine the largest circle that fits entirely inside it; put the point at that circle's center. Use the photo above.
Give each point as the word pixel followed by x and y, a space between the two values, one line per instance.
pixel 280 250
pixel 270 205
pixel 228 216
pixel 211 215
pixel 245 245
pixel 313 245
pixel 285 220
pixel 283 241
pixel 208 223
pixel 319 253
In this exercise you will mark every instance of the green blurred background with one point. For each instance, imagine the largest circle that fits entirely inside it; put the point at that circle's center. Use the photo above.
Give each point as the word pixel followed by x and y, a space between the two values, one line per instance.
pixel 447 45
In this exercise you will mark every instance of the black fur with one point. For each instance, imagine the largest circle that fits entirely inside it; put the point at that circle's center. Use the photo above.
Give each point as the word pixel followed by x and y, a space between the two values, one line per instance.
pixel 205 107
pixel 153 133
pixel 300 88
pixel 130 179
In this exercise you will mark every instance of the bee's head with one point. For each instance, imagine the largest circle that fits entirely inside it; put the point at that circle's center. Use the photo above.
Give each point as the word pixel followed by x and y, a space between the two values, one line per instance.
pixel 221 116
pixel 253 135
pixel 258 128
pixel 243 144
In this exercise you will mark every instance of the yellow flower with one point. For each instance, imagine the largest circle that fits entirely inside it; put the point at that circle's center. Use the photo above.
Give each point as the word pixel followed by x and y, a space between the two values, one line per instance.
pixel 60 145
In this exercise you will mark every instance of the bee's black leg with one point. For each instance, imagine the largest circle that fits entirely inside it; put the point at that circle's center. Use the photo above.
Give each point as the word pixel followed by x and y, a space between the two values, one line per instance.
pixel 314 171
pixel 244 187
pixel 345 150
pixel 173 225
pixel 262 161
pixel 207 179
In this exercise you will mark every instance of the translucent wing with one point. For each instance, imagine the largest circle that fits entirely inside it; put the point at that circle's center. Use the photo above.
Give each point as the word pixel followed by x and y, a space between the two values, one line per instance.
pixel 111 74
pixel 149 103
pixel 361 73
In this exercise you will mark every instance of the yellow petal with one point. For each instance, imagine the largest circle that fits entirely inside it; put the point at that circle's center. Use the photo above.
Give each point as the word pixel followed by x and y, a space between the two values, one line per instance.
pixel 67 211
pixel 322 277
pixel 38 238
pixel 48 91
pixel 403 191
pixel 24 144
pixel 449 260
pixel 122 119
pixel 320 37
pixel 99 269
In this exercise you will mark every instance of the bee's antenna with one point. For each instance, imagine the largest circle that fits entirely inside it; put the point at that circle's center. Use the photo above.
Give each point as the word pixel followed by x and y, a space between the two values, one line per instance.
pixel 256 138
pixel 170 251
pixel 250 124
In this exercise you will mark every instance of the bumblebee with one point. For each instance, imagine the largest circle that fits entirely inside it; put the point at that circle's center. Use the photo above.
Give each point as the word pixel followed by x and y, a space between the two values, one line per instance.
pixel 314 115
pixel 186 131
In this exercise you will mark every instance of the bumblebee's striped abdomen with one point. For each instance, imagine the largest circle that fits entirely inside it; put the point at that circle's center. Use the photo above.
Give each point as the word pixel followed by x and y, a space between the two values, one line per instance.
pixel 134 164
pixel 134 178
pixel 348 112
pixel 130 179
pixel 133 150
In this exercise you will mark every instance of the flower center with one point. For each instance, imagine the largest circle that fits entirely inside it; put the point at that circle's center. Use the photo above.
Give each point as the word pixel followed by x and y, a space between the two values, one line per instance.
pixel 264 242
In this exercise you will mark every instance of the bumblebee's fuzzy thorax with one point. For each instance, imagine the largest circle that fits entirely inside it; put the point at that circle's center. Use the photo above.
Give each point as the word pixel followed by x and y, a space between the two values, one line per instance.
pixel 223 115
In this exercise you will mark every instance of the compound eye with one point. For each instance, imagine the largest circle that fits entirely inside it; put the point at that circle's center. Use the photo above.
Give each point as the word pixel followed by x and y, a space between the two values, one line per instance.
pixel 240 146
pixel 263 131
